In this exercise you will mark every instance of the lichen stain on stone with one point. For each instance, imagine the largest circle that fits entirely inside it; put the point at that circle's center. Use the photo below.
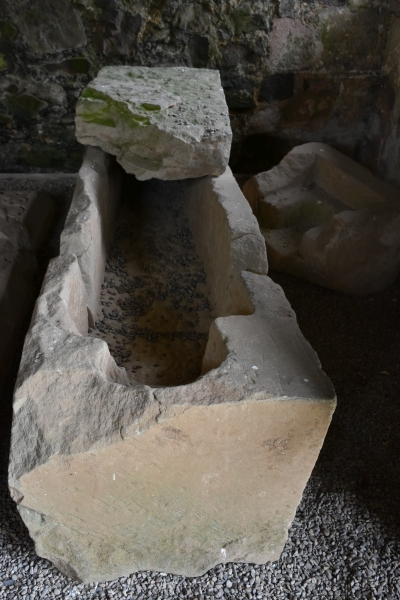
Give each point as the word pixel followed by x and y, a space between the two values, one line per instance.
pixel 7 30
pixel 150 107
pixel 96 107
pixel 352 40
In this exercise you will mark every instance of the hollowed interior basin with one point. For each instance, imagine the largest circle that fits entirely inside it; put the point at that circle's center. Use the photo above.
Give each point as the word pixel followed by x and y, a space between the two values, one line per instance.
pixel 155 301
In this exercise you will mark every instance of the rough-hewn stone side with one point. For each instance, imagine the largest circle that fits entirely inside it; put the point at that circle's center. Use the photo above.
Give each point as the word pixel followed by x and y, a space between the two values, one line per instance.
pixel 228 240
pixel 89 225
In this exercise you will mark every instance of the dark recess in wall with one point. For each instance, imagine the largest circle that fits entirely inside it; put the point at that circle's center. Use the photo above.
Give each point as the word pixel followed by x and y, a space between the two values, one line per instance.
pixel 277 87
pixel 260 152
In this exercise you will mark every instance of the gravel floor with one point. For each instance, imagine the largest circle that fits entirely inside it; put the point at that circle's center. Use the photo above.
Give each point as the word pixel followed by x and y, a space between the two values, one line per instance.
pixel 344 541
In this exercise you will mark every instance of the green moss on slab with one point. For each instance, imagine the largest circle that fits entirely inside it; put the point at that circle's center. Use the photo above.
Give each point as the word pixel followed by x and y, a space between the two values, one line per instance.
pixel 98 119
pixel 97 107
pixel 150 107
pixel 92 94
pixel 3 62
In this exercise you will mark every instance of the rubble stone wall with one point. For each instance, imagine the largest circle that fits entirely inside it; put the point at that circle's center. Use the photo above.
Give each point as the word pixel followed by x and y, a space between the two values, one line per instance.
pixel 293 71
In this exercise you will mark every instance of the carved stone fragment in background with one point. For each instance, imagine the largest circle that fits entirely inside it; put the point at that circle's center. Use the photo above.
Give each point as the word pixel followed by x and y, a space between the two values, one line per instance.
pixel 325 218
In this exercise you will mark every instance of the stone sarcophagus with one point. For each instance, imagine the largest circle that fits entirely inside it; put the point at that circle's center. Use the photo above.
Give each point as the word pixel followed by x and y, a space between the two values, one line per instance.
pixel 198 451
pixel 112 475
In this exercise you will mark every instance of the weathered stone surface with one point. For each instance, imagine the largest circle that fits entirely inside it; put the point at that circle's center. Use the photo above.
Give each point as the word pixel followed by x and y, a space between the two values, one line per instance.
pixel 111 478
pixel 168 123
pixel 351 39
pixel 228 240
pixel 292 45
pixel 327 219
pixel 48 26
pixel 89 224
pixel 25 218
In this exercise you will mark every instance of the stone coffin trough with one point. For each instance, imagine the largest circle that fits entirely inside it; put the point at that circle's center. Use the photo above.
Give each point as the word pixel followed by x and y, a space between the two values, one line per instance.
pixel 113 475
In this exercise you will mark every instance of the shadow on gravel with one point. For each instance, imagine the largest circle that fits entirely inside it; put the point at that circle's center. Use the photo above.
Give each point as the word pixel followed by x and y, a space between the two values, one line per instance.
pixel 358 343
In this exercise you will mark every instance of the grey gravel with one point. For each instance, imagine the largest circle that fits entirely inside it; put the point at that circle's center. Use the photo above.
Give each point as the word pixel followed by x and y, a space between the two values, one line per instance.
pixel 344 542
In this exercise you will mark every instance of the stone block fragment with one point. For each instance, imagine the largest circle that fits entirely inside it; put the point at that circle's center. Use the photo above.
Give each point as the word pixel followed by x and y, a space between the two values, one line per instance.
pixel 327 219
pixel 25 218
pixel 112 478
pixel 168 123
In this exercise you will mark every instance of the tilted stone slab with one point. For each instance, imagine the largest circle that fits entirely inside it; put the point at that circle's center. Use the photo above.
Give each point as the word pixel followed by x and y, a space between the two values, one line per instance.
pixel 111 478
pixel 327 219
pixel 167 123
pixel 25 218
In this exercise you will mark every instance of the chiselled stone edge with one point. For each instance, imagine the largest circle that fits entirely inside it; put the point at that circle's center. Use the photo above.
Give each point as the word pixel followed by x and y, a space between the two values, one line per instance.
pixel 89 224
pixel 228 240
pixel 70 395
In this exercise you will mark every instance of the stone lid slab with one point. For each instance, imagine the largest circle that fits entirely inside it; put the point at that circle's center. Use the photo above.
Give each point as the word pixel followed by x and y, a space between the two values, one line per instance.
pixel 162 122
